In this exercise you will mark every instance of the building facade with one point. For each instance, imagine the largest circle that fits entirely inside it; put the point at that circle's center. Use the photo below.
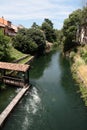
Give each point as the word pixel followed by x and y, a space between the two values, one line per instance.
pixel 8 28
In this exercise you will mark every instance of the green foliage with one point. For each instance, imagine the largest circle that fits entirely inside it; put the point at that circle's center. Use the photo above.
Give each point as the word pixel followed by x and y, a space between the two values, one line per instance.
pixel 15 54
pixel 59 36
pixel 84 15
pixel 49 22
pixel 72 54
pixel 55 44
pixel 84 55
pixel 70 29
pixel 30 41
pixel 47 27
pixel 4 47
pixel 32 46
pixel 38 38
pixel 35 26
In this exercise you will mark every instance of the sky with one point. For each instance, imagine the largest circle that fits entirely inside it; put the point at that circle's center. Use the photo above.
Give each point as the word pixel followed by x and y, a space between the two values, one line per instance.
pixel 25 12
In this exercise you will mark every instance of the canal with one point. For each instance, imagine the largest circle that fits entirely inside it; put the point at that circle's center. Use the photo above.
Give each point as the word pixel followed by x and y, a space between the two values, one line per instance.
pixel 53 102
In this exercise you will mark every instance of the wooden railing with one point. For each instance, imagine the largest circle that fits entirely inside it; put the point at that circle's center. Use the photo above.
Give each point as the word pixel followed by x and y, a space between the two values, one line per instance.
pixel 13 81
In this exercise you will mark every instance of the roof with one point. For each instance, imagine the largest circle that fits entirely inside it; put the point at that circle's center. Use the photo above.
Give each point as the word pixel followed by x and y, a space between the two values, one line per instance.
pixel 2 25
pixel 3 21
pixel 14 66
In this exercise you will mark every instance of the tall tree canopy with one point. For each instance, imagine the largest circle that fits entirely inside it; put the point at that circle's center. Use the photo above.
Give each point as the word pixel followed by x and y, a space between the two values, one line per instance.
pixel 35 26
pixel 30 41
pixel 47 27
pixel 70 28
pixel 84 15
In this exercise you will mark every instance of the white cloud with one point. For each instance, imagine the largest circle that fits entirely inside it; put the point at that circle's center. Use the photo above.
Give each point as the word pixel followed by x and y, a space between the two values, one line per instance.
pixel 35 9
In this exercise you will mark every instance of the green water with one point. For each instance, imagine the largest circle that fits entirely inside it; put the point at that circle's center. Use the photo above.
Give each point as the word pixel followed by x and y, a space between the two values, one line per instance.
pixel 6 95
pixel 53 102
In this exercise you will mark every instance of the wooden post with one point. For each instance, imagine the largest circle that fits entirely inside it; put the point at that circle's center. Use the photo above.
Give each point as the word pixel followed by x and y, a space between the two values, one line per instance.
pixel 23 76
pixel 28 75
pixel 3 74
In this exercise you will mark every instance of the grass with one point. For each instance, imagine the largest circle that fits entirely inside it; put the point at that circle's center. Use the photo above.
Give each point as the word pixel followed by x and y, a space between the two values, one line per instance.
pixel 25 60
pixel 79 71
pixel 82 86
pixel 15 54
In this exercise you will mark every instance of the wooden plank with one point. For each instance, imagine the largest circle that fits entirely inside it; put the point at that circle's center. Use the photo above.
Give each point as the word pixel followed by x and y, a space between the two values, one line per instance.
pixel 14 66
pixel 12 104
pixel 15 83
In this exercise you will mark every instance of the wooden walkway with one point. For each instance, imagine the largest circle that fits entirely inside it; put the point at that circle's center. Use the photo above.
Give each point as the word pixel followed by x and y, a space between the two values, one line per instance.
pixel 13 103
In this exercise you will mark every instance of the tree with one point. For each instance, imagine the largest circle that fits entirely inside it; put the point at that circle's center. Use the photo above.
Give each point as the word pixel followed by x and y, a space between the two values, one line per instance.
pixel 70 29
pixel 30 41
pixel 4 47
pixel 84 15
pixel 47 27
pixel 49 22
pixel 38 37
pixel 59 38
pixel 35 26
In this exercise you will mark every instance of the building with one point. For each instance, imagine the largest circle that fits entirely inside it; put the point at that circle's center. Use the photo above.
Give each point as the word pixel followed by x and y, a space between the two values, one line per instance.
pixel 8 28
pixel 20 26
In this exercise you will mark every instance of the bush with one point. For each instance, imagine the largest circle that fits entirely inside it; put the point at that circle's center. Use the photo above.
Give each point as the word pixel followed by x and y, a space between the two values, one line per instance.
pixel 4 47
pixel 30 41
pixel 72 54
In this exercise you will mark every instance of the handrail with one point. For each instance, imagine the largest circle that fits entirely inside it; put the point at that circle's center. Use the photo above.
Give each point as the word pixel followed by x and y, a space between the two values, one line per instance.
pixel 12 78
pixel 13 81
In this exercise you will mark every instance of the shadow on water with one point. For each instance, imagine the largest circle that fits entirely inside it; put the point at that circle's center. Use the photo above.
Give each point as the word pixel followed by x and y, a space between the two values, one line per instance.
pixel 6 95
pixel 66 73
pixel 70 86
pixel 40 64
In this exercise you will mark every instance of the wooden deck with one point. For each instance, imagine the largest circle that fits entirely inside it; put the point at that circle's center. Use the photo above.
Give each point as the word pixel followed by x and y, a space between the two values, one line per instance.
pixel 13 103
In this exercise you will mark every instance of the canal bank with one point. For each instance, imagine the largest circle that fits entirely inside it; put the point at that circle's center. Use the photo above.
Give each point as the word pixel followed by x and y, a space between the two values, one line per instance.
pixel 78 62
pixel 79 72
pixel 53 102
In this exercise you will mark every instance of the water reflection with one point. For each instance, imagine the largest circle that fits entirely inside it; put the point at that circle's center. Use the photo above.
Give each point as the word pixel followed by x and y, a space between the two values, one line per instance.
pixel 66 75
pixel 39 65
pixel 6 95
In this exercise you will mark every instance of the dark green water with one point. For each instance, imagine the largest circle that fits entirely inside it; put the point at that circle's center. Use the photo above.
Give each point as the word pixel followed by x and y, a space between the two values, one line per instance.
pixel 53 102
pixel 6 95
